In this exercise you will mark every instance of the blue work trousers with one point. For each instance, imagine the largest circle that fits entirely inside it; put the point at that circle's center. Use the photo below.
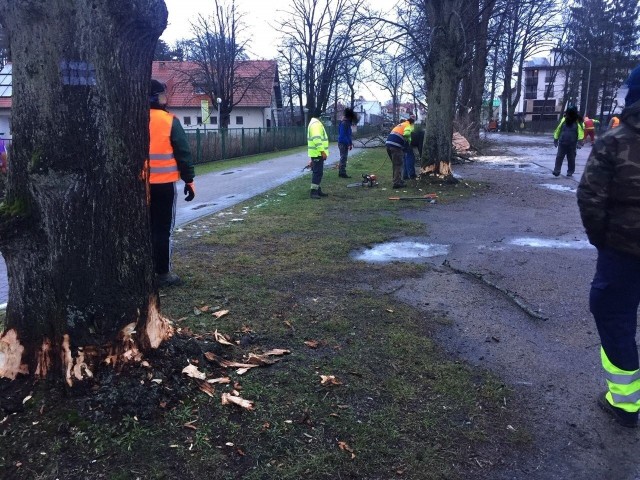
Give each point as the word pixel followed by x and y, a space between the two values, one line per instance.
pixel 614 299
pixel 409 164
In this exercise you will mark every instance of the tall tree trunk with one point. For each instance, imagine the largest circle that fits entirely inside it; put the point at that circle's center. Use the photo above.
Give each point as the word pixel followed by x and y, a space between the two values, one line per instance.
pixel 442 77
pixel 74 227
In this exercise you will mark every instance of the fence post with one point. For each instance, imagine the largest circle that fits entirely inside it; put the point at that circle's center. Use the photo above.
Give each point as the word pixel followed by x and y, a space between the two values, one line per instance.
pixel 259 139
pixel 242 143
pixel 223 149
pixel 198 146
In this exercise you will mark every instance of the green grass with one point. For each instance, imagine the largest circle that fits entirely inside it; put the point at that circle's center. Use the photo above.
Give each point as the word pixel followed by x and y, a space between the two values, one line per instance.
pixel 404 407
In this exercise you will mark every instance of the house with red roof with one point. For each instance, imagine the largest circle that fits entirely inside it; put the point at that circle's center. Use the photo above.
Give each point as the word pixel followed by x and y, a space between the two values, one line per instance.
pixel 257 98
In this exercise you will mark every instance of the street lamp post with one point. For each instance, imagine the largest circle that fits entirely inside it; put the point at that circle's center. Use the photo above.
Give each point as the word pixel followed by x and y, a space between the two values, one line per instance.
pixel 586 101
pixel 219 101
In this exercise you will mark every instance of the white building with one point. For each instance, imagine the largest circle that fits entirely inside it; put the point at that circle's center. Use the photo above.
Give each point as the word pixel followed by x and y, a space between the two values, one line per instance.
pixel 542 95
pixel 369 112
pixel 257 95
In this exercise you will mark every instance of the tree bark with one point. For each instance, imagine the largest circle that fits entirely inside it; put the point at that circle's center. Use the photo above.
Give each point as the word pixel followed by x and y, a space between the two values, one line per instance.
pixel 442 78
pixel 74 228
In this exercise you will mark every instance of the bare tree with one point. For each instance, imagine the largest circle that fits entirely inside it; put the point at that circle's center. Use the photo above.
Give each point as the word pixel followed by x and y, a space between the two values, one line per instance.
pixel 79 263
pixel 221 71
pixel 531 26
pixel 324 33
pixel 5 54
pixel 389 72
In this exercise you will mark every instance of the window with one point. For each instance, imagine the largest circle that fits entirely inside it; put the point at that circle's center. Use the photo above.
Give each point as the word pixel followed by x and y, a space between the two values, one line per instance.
pixel 187 120
pixel 540 106
pixel 549 91
pixel 199 120
pixel 531 92
pixel 239 120
pixel 213 120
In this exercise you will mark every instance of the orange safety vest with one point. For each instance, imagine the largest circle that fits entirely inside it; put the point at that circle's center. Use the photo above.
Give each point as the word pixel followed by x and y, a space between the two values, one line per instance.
pixel 163 167
pixel 615 121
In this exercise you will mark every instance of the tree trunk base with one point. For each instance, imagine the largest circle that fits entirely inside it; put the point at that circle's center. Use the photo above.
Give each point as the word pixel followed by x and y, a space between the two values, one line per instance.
pixel 441 173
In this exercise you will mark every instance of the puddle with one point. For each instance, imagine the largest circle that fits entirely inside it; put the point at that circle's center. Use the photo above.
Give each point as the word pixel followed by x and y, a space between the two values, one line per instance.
pixel 558 188
pixel 550 243
pixel 401 251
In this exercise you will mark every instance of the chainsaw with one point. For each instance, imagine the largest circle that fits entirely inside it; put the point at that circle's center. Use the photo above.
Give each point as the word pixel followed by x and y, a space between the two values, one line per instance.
pixel 368 180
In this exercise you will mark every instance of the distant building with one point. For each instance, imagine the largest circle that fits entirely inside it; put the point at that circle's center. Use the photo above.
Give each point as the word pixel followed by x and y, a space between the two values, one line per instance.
pixel 544 89
pixel 259 99
pixel 258 95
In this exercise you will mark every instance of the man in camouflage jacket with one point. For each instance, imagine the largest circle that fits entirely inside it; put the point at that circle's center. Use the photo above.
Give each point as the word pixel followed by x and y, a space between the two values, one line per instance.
pixel 609 202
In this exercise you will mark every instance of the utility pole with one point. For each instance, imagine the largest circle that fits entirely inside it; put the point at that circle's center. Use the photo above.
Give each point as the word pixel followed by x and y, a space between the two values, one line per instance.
pixel 586 101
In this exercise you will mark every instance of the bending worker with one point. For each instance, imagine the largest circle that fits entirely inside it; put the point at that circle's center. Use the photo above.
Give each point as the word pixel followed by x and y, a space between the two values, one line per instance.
pixel 169 161
pixel 397 141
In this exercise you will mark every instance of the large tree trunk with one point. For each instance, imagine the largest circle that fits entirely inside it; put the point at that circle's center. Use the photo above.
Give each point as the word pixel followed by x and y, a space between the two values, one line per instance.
pixel 74 227
pixel 442 78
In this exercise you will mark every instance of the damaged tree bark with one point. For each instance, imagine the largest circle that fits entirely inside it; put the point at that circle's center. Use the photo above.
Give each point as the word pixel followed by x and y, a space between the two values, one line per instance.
pixel 442 76
pixel 74 225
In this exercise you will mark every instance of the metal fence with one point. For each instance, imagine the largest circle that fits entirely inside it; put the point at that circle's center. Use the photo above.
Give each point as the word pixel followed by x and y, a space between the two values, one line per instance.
pixel 211 145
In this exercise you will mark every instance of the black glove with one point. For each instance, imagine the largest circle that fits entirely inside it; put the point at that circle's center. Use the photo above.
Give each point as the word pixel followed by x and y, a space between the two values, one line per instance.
pixel 189 191
pixel 555 143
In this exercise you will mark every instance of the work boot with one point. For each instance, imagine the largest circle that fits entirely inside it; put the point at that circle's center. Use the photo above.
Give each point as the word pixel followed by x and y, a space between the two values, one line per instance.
pixel 314 194
pixel 321 193
pixel 556 174
pixel 624 418
pixel 168 279
pixel 344 175
pixel 569 174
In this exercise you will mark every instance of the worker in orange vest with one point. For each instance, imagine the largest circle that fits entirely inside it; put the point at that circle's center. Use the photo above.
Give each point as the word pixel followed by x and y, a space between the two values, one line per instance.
pixel 615 121
pixel 169 161
pixel 590 128
pixel 398 140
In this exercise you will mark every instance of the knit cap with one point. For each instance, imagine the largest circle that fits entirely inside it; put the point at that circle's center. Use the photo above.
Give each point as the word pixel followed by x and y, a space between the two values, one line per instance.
pixel 633 82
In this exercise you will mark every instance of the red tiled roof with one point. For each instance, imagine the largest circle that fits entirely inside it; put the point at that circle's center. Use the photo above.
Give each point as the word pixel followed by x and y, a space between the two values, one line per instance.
pixel 259 75
pixel 182 94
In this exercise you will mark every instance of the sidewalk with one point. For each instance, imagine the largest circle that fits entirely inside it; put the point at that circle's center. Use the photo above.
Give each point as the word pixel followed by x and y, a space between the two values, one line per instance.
pixel 219 190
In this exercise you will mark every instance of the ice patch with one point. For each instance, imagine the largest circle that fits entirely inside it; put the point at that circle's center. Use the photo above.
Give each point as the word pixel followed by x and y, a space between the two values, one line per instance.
pixel 550 243
pixel 558 188
pixel 388 252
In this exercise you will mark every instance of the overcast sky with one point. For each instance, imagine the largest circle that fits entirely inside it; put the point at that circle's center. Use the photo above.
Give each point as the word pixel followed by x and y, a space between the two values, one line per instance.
pixel 261 18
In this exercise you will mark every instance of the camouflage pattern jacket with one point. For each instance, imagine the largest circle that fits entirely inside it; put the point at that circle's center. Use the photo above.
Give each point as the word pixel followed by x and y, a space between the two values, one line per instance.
pixel 609 191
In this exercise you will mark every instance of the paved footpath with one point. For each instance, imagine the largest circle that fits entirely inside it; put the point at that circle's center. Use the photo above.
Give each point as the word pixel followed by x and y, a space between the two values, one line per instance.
pixel 219 190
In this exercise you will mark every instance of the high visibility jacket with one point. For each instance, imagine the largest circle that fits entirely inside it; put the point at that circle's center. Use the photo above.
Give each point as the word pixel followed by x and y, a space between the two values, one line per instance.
pixel 400 136
pixel 588 124
pixel 317 140
pixel 558 130
pixel 163 167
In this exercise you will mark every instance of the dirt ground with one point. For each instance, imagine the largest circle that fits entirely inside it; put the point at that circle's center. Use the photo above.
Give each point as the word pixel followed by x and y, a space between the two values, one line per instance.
pixel 553 364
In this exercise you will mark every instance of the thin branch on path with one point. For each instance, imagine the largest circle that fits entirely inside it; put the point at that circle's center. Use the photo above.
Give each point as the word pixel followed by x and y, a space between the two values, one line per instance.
pixel 509 294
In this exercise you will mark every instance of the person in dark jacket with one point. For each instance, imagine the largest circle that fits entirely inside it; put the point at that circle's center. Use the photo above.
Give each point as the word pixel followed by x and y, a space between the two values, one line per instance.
pixel 409 165
pixel 345 142
pixel 169 161
pixel 567 137
pixel 609 201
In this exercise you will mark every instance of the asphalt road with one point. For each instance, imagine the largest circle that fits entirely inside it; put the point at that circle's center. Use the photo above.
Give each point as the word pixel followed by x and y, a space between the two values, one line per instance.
pixel 219 190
